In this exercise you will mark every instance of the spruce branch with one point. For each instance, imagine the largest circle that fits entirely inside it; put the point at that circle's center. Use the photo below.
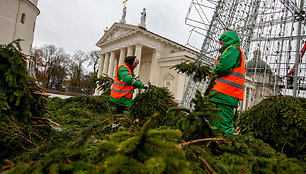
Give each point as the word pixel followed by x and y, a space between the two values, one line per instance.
pixel 22 134
pixel 210 85
pixel 104 82
pixel 46 120
pixel 11 164
pixel 208 166
pixel 173 110
pixel 201 140
pixel 145 128
pixel 196 69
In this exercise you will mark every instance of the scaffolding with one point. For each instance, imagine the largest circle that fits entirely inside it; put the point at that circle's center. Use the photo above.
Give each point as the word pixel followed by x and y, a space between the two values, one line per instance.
pixel 272 35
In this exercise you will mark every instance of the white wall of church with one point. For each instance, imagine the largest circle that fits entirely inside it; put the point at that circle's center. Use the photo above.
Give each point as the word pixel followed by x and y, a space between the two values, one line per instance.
pixel 171 50
pixel 168 78
pixel 145 67
pixel 17 21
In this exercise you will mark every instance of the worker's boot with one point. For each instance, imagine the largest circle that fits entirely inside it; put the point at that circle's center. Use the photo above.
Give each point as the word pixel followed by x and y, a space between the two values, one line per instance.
pixel 236 130
pixel 115 127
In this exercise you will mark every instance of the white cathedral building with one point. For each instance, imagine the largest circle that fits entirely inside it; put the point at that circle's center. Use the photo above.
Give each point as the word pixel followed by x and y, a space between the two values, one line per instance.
pixel 155 53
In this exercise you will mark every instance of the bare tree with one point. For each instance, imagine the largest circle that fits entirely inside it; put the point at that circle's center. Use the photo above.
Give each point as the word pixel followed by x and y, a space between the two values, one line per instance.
pixel 76 69
pixel 38 63
pixel 51 64
pixel 94 58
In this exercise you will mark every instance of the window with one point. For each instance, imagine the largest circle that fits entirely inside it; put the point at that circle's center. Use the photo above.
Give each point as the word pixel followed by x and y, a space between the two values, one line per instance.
pixel 23 18
pixel 172 51
pixel 34 26
pixel 143 66
pixel 168 85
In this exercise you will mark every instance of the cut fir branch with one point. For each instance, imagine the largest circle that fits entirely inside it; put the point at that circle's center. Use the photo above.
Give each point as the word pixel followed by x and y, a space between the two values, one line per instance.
pixel 156 100
pixel 196 70
pixel 205 139
pixel 104 82
pixel 150 150
pixel 197 123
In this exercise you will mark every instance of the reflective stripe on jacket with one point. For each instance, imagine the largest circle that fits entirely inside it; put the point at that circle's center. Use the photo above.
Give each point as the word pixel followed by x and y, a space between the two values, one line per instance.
pixel 233 83
pixel 120 89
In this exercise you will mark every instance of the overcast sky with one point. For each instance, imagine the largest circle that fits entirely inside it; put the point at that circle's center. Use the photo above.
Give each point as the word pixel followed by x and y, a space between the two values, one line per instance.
pixel 78 24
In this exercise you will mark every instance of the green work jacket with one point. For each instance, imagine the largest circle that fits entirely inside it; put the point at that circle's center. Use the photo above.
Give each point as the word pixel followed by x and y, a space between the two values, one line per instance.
pixel 230 59
pixel 123 74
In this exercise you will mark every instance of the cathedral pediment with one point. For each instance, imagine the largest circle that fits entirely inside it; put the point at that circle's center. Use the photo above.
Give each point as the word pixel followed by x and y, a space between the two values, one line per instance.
pixel 168 76
pixel 116 31
pixel 120 30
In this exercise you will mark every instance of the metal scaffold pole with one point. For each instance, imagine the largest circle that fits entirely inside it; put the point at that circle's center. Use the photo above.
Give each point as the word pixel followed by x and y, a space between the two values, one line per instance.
pixel 298 43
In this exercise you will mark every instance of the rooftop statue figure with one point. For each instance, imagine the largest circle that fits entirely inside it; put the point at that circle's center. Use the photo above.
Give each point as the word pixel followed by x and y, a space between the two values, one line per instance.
pixel 123 16
pixel 143 19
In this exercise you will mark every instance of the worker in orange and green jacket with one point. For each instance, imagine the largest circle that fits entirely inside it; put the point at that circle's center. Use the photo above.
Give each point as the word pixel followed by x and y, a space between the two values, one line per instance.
pixel 124 84
pixel 230 81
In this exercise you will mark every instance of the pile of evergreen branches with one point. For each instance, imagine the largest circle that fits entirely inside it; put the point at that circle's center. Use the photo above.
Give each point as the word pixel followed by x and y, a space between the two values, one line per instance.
pixel 167 139
pixel 155 100
pixel 21 105
pixel 280 122
pixel 245 154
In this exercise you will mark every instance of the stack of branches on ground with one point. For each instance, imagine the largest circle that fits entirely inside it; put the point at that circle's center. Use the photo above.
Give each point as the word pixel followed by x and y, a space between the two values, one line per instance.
pixel 22 105
pixel 84 143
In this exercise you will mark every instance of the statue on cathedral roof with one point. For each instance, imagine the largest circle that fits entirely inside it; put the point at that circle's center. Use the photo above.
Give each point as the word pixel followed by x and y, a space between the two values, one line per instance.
pixel 142 23
pixel 123 12
pixel 123 16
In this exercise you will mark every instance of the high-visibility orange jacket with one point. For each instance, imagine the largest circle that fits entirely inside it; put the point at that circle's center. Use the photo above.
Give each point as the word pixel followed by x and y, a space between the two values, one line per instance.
pixel 232 84
pixel 120 89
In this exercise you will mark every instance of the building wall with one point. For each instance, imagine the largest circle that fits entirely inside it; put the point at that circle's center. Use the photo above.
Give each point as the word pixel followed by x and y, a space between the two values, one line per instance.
pixel 145 67
pixel 258 87
pixel 170 49
pixel 34 2
pixel 170 78
pixel 12 28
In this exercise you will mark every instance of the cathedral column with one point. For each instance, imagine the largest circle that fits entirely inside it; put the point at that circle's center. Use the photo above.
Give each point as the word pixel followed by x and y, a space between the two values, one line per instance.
pixel 130 51
pixel 154 72
pixel 115 69
pixel 122 56
pixel 100 72
pixel 138 51
pixel 106 62
pixel 111 64
pixel 250 96
pixel 245 100
pixel 101 63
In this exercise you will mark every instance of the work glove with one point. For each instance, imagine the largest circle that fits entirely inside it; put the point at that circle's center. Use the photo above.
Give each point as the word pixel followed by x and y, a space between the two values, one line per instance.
pixel 145 87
